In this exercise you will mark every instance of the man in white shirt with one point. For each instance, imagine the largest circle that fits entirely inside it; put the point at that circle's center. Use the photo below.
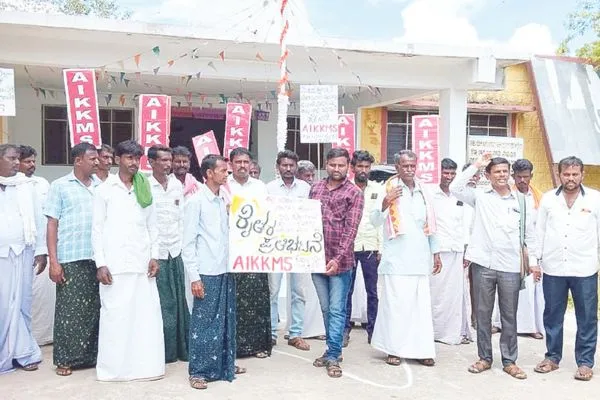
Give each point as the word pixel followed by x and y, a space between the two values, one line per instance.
pixel 22 248
pixel 44 296
pixel 205 254
pixel 125 244
pixel 306 171
pixel 252 289
pixel 181 168
pixel 167 195
pixel 568 229
pixel 450 319
pixel 495 252
pixel 368 243
pixel 289 186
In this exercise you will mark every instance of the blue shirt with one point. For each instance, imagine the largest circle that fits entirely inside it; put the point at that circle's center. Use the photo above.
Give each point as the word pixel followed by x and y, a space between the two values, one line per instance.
pixel 205 234
pixel 71 203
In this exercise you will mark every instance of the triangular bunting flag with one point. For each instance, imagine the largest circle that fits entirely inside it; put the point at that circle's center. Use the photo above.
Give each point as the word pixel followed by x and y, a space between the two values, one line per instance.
pixel 108 98
pixel 178 104
pixel 212 65
pixel 137 58
pixel 198 75
pixel 156 50
pixel 126 82
pixel 155 70
pixel 122 100
pixel 259 57
pixel 171 62
pixel 188 79
pixel 222 55
pixel 122 76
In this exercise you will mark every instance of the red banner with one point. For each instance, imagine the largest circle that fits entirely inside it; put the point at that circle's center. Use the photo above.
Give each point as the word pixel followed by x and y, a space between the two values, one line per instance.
pixel 346 136
pixel 237 127
pixel 425 143
pixel 82 106
pixel 154 124
pixel 204 145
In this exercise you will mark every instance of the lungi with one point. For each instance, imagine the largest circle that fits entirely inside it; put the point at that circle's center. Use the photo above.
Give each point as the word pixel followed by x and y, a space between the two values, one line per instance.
pixel 42 308
pixel 253 314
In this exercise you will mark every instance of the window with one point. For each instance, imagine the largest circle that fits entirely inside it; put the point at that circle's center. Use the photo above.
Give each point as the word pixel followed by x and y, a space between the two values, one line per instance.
pixel 306 151
pixel 116 125
pixel 399 131
pixel 487 124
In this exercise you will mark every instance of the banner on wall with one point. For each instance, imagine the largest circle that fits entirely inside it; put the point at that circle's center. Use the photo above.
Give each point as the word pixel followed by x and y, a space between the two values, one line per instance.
pixel 237 127
pixel 318 113
pixel 204 145
pixel 372 131
pixel 154 124
pixel 425 144
pixel 507 147
pixel 276 234
pixel 346 136
pixel 82 106
pixel 7 92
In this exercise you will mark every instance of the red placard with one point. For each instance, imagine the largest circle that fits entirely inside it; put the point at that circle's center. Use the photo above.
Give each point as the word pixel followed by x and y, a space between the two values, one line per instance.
pixel 346 136
pixel 154 124
pixel 425 143
pixel 204 145
pixel 82 106
pixel 237 127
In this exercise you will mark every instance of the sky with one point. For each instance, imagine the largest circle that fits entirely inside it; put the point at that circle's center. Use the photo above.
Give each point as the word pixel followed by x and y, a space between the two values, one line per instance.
pixel 535 26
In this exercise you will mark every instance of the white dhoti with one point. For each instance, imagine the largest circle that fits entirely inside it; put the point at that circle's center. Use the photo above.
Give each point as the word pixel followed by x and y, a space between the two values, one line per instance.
pixel 404 326
pixel 313 317
pixel 447 299
pixel 530 311
pixel 16 339
pixel 467 306
pixel 189 297
pixel 42 309
pixel 131 342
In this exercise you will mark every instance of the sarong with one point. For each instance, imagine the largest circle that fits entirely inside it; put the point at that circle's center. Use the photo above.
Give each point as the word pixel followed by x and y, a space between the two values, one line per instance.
pixel 253 314
pixel 212 330
pixel 130 344
pixel 77 316
pixel 16 339
pixel 175 313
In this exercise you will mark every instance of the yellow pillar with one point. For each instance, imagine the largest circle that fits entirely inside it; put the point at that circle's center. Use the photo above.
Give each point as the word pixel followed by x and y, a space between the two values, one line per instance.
pixel 3 132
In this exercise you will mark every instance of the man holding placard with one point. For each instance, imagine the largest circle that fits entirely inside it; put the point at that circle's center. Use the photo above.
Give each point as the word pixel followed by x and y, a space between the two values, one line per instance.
pixel 341 208
pixel 288 185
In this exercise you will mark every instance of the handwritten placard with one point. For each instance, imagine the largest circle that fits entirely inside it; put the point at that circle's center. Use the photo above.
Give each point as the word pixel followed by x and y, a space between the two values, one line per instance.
pixel 318 113
pixel 7 92
pixel 507 147
pixel 276 234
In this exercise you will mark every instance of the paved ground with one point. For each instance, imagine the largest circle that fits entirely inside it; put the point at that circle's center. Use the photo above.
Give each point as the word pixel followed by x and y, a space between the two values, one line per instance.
pixel 288 374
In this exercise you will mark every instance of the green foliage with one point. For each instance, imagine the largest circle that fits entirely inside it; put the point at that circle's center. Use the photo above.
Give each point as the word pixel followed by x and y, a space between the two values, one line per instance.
pixel 98 8
pixel 585 19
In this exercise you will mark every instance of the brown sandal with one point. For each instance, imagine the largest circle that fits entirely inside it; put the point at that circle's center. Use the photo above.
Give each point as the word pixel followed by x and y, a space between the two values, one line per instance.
pixel 198 383
pixel 514 371
pixel 63 371
pixel 30 367
pixel 393 360
pixel 584 373
pixel 240 370
pixel 536 335
pixel 546 366
pixel 299 343
pixel 322 361
pixel 479 366
pixel 261 354
pixel 333 369
pixel 428 362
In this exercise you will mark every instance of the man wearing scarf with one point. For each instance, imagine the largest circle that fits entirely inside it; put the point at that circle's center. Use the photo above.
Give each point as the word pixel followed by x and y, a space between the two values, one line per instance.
pixel 404 325
pixel 125 244
pixel 22 248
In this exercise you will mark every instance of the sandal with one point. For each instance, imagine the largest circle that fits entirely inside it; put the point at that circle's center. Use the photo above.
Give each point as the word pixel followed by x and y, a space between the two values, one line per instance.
pixel 393 360
pixel 584 373
pixel 322 361
pixel 465 340
pixel 495 330
pixel 536 335
pixel 428 362
pixel 546 366
pixel 240 370
pixel 299 343
pixel 479 366
pixel 514 371
pixel 261 354
pixel 198 383
pixel 333 369
pixel 63 371
pixel 30 367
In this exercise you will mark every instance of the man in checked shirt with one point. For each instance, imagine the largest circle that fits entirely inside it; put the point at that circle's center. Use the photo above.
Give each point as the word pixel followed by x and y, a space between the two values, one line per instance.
pixel 341 206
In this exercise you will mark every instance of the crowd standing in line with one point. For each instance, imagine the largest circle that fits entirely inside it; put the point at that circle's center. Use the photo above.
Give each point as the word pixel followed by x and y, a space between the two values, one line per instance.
pixel 140 262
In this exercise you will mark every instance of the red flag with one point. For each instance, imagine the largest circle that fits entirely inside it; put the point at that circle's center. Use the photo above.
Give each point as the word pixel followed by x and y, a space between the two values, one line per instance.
pixel 82 106
pixel 154 124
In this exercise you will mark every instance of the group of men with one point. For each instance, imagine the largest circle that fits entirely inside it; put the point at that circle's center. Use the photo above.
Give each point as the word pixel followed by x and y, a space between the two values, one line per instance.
pixel 140 262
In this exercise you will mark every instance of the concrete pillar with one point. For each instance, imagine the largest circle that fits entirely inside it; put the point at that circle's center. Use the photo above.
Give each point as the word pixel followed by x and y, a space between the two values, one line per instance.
pixel 3 130
pixel 453 125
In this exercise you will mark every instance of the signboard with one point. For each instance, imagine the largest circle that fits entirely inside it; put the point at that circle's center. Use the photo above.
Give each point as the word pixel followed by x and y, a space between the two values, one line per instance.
pixel 262 115
pixel 237 127
pixel 204 145
pixel 154 124
pixel 346 136
pixel 425 144
pixel 7 92
pixel 318 113
pixel 276 234
pixel 507 147
pixel 82 106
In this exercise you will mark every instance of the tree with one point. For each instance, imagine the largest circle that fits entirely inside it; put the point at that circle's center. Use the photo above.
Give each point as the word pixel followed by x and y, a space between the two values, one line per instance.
pixel 586 18
pixel 97 8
